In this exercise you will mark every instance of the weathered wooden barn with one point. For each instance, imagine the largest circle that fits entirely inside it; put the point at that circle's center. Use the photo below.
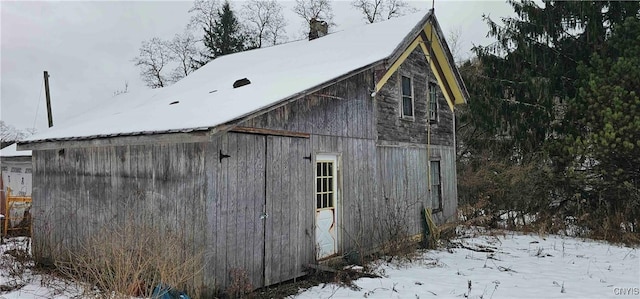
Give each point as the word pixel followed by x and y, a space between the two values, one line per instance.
pixel 268 159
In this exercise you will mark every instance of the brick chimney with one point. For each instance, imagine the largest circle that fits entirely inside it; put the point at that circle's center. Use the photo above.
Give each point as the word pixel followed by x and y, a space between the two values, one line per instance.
pixel 317 28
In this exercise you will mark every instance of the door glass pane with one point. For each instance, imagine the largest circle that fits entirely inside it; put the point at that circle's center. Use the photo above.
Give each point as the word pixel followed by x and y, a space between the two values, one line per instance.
pixel 324 185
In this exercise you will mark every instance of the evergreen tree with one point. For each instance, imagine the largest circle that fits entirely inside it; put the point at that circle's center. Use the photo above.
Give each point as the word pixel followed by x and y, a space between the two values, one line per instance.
pixel 605 144
pixel 529 73
pixel 223 36
pixel 558 91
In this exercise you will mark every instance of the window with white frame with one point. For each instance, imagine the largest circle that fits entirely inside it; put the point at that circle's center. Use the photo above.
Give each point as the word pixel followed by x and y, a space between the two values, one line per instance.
pixel 433 102
pixel 436 186
pixel 407 96
pixel 325 185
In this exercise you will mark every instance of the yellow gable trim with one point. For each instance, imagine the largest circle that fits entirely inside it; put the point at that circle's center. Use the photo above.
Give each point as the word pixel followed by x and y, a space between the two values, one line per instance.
pixel 440 67
pixel 435 71
pixel 447 68
pixel 397 63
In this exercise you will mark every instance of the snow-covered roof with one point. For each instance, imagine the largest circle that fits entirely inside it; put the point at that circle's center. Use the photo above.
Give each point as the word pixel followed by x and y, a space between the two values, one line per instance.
pixel 206 98
pixel 12 151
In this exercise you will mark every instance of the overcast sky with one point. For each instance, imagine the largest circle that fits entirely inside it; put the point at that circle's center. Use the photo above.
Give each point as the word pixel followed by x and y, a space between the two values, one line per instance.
pixel 88 46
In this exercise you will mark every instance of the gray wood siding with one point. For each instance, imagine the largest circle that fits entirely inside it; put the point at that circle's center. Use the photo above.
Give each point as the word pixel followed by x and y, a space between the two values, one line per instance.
pixel 343 109
pixel 404 183
pixel 392 127
pixel 357 180
pixel 344 119
pixel 403 188
pixel 289 225
pixel 216 205
pixel 447 157
pixel 236 199
pixel 80 191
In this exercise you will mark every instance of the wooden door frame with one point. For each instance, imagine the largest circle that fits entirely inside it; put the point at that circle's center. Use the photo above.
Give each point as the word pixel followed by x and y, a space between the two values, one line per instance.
pixel 338 197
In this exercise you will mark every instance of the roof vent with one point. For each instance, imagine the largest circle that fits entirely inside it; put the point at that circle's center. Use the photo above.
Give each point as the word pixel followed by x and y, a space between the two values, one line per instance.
pixel 241 82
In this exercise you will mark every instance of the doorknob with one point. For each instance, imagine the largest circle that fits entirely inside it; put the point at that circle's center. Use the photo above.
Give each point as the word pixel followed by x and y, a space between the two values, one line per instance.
pixel 264 216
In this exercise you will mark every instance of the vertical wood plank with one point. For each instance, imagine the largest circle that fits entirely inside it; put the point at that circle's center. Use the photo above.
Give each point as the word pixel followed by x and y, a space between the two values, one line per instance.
pixel 212 211
pixel 258 193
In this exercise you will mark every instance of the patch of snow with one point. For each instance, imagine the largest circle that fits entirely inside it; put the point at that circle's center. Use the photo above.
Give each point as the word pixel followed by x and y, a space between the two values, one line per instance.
pixel 17 274
pixel 520 266
pixel 514 266
pixel 12 151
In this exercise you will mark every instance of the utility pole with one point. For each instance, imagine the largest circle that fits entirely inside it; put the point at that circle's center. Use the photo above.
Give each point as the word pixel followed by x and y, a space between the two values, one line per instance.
pixel 46 90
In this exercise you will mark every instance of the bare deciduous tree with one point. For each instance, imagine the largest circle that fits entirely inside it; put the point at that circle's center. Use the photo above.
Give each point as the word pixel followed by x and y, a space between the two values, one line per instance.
pixel 379 10
pixel 454 42
pixel 153 58
pixel 124 89
pixel 204 12
pixel 277 32
pixel 397 8
pixel 265 22
pixel 9 133
pixel 314 9
pixel 372 9
pixel 31 131
pixel 183 49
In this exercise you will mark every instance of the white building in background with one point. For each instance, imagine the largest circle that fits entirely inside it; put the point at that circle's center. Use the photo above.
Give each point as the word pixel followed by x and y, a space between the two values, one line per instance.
pixel 16 168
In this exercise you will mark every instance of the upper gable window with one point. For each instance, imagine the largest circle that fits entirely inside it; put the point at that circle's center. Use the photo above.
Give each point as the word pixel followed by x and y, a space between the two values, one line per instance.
pixel 407 97
pixel 433 102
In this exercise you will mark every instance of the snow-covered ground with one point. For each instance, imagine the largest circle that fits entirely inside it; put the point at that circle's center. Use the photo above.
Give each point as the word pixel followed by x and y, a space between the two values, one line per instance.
pixel 514 265
pixel 18 281
pixel 521 266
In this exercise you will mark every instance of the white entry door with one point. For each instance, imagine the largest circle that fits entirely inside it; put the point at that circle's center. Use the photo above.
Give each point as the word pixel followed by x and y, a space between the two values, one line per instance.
pixel 326 197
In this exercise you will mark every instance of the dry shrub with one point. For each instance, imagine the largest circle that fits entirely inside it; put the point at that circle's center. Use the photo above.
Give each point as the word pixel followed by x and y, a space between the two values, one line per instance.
pixel 531 194
pixel 240 286
pixel 616 228
pixel 495 184
pixel 131 260
pixel 475 213
pixel 393 230
pixel 346 279
pixel 448 231
pixel 16 264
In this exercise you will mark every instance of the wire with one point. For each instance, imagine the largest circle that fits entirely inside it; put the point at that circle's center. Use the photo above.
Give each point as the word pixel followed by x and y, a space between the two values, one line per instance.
pixel 429 99
pixel 37 106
